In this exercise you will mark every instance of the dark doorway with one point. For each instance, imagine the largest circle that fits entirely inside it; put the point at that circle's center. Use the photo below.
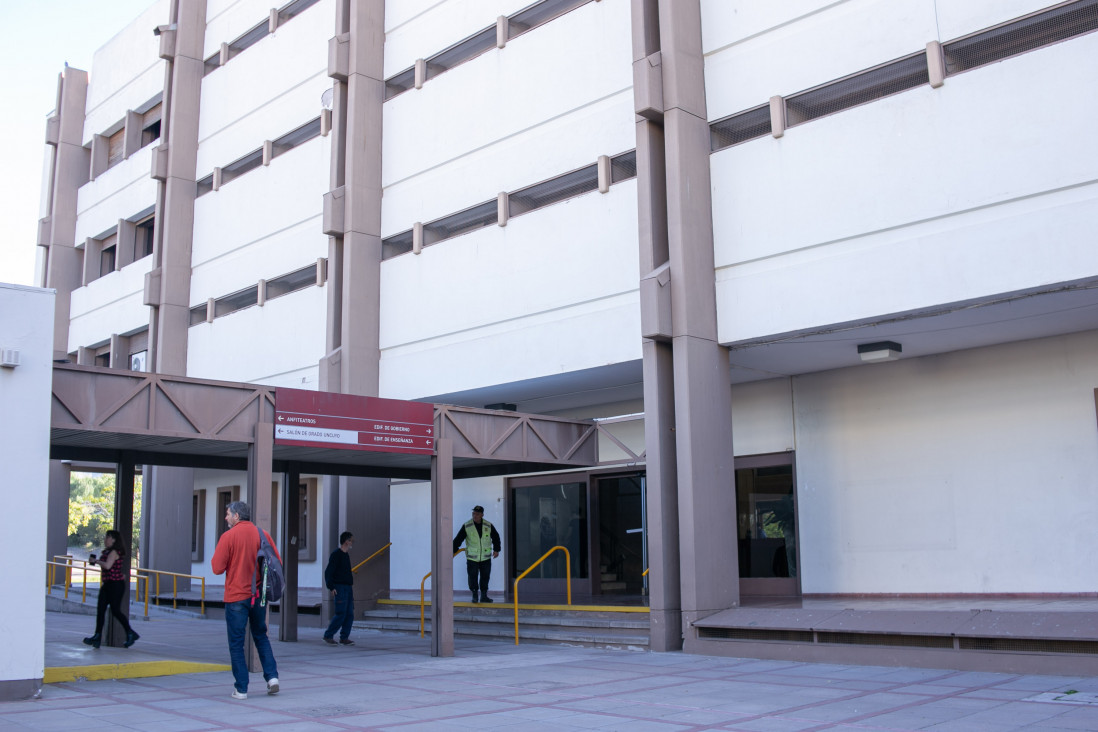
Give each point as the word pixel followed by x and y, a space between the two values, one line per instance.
pixel 621 534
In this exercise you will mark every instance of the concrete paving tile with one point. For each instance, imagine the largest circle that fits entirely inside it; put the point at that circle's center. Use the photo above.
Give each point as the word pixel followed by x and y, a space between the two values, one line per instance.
pixel 175 725
pixel 442 711
pixel 302 726
pixel 856 707
pixel 702 717
pixel 773 724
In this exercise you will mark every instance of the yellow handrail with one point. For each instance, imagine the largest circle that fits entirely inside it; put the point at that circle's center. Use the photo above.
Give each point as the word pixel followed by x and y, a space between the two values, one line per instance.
pixel 379 551
pixel 568 567
pixel 175 586
pixel 51 577
pixel 645 572
pixel 422 602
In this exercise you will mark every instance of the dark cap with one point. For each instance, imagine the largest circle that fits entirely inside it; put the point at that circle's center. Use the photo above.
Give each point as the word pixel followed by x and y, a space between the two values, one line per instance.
pixel 478 509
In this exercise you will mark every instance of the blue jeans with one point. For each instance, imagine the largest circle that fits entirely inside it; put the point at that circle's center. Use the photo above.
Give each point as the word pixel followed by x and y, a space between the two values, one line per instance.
pixel 343 612
pixel 237 616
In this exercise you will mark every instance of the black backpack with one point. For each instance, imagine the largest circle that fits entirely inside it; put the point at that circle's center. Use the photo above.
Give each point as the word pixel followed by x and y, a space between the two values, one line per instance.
pixel 269 568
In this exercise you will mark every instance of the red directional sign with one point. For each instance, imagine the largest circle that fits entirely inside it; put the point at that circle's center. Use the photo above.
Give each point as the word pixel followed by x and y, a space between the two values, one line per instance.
pixel 350 422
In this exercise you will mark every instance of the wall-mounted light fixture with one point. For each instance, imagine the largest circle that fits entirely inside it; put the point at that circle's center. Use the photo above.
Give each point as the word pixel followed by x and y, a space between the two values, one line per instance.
pixel 9 358
pixel 880 351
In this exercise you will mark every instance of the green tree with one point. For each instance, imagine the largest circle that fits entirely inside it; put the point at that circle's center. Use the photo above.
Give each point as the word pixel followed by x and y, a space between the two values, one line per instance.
pixel 91 509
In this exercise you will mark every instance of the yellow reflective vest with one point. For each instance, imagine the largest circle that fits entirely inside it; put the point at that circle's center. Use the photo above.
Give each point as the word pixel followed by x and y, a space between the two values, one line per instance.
pixel 478 547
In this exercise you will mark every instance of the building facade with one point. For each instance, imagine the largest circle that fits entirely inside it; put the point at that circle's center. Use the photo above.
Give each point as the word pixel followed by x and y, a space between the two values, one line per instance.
pixel 824 271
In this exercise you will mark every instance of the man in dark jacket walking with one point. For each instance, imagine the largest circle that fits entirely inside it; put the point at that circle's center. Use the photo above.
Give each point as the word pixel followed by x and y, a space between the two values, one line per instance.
pixel 481 547
pixel 339 579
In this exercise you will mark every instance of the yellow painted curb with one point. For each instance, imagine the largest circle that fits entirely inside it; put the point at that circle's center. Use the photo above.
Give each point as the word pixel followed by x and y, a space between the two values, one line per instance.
pixel 137 670
pixel 508 606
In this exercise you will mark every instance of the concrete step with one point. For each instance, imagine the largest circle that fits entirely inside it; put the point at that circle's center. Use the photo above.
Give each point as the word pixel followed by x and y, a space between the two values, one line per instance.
pixel 595 628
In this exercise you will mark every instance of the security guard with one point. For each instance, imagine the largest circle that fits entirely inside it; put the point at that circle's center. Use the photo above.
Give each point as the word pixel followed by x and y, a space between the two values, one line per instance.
pixel 481 547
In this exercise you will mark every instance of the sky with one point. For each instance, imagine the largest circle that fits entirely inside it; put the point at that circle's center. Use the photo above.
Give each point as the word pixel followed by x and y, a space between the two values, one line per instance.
pixel 37 38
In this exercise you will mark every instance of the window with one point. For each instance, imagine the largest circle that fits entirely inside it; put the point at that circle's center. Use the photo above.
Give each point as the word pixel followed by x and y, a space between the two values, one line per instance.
pixel 239 167
pixel 306 537
pixel 198 525
pixel 225 496
pixel 623 167
pixel 284 285
pixel 766 519
pixel 463 222
pixel 115 147
pixel 107 255
pixel 198 314
pixel 558 189
pixel 289 141
pixel 739 128
pixel 237 301
pixel 858 89
pixel 103 360
pixel 205 185
pixel 150 125
pixel 143 238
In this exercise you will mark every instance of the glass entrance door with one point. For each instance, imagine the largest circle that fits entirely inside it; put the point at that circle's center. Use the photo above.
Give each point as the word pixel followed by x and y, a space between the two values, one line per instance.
pixel 549 511
pixel 766 519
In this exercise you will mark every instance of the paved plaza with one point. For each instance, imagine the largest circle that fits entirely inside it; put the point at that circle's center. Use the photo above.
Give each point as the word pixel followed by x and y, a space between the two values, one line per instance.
pixel 389 682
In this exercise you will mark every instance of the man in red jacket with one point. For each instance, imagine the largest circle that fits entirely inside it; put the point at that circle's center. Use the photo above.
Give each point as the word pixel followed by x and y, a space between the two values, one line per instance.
pixel 235 557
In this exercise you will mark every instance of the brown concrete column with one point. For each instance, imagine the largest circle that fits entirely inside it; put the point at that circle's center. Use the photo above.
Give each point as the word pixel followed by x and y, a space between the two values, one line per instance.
pixel 687 394
pixel 167 503
pixel 260 455
pixel 442 549
pixel 168 285
pixel 703 393
pixel 364 507
pixel 123 523
pixel 291 522
pixel 64 263
pixel 352 363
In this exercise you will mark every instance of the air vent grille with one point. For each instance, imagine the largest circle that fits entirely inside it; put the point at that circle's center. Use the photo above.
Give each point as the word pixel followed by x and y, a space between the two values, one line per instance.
pixel 739 128
pixel 852 91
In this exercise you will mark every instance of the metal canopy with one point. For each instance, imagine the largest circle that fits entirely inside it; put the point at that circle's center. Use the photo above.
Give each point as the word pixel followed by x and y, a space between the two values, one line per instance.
pixel 98 413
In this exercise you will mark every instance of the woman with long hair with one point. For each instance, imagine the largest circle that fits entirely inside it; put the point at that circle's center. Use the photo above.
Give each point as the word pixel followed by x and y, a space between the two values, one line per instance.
pixel 112 586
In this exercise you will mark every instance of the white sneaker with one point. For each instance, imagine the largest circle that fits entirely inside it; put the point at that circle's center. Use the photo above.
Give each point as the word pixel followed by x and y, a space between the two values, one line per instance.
pixel 272 686
pixel 240 694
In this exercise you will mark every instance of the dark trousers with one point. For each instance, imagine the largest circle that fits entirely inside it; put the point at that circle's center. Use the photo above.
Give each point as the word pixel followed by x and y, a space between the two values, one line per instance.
pixel 110 595
pixel 343 612
pixel 479 573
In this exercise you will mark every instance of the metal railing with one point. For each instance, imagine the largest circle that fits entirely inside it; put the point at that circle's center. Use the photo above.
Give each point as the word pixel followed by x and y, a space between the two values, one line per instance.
pixel 136 576
pixel 568 567
pixel 175 587
pixel 379 551
pixel 422 600
pixel 70 564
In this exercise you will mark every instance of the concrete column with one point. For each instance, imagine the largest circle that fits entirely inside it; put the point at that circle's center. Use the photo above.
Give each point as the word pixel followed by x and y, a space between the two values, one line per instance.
pixel 57 512
pixel 170 303
pixel 442 559
pixel 123 523
pixel 703 394
pixel 364 510
pixel 64 271
pixel 687 394
pixel 167 506
pixel 291 522
pixel 260 455
pixel 355 257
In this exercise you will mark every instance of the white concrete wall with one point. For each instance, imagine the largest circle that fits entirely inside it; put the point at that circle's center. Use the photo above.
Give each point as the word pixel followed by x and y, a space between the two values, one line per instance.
pixel 970 472
pixel 310 573
pixel 278 344
pixel 126 72
pixel 25 435
pixel 421 28
pixel 269 89
pixel 977 198
pixel 112 304
pixel 553 291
